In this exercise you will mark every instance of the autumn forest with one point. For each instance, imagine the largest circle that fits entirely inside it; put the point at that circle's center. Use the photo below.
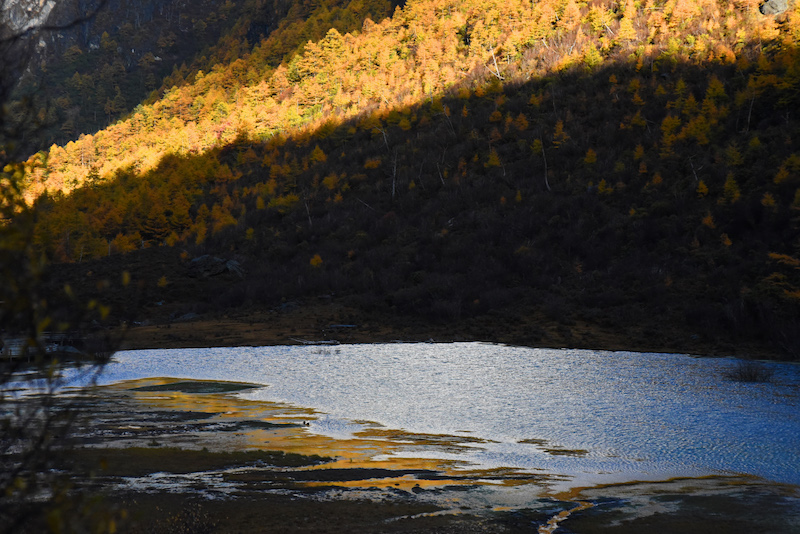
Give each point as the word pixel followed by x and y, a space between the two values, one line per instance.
pixel 633 165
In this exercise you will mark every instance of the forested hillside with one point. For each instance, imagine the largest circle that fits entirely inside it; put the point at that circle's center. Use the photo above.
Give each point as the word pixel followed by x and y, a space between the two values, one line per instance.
pixel 134 51
pixel 629 164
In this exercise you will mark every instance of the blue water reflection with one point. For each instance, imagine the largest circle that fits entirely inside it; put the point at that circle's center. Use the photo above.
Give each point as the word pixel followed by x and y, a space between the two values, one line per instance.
pixel 593 415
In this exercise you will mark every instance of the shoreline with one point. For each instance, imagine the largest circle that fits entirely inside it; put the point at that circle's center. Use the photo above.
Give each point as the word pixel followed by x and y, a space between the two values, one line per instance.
pixel 330 323
pixel 150 430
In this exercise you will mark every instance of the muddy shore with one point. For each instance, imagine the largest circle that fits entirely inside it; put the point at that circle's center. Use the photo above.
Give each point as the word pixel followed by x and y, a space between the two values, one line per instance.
pixel 329 321
pixel 184 456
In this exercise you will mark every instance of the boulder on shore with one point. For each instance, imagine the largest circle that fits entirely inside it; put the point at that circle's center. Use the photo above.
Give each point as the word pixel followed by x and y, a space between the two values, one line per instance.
pixel 206 266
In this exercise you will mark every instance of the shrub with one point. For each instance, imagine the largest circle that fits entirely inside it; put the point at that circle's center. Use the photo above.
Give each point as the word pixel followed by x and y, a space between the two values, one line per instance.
pixel 749 371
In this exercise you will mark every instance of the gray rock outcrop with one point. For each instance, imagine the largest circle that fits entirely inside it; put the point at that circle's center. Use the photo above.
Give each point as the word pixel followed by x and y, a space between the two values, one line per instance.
pixel 206 266
pixel 774 7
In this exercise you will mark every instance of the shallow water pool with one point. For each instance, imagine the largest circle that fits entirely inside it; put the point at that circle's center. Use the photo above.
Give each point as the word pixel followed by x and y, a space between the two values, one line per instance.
pixel 591 416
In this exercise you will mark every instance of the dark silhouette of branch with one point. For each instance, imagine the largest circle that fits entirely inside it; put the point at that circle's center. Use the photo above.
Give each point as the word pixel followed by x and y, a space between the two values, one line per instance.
pixel 34 426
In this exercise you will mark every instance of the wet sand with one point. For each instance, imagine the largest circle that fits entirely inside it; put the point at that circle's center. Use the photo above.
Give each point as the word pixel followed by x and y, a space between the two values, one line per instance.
pixel 182 456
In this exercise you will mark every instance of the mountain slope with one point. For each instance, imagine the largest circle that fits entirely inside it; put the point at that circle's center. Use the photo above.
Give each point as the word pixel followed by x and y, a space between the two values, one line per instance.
pixel 633 167
pixel 418 52
pixel 82 78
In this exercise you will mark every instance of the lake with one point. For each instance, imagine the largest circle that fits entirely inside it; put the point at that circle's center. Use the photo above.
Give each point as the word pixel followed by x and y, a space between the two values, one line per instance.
pixel 585 417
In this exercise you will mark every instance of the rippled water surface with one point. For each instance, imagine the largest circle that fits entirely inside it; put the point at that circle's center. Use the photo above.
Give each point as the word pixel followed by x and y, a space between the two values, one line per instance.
pixel 593 416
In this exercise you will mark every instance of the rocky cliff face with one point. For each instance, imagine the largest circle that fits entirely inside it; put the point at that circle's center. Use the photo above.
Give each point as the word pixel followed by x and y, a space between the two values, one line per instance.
pixel 17 16
pixel 22 18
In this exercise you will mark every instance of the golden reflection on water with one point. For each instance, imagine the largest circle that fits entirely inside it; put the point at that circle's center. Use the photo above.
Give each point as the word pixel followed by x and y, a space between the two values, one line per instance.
pixel 371 448
pixel 406 483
